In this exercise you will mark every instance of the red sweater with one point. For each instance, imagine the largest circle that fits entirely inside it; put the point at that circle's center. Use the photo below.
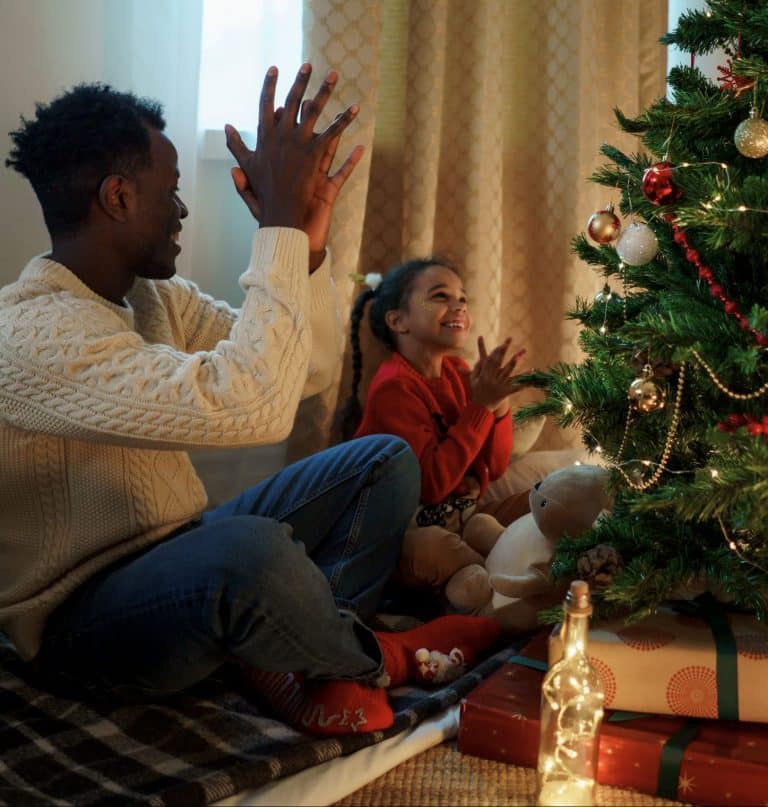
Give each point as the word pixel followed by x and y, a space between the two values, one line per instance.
pixel 451 436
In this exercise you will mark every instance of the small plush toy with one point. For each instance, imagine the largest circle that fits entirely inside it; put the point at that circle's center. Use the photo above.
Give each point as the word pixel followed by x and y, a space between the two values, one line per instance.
pixel 434 667
pixel 514 585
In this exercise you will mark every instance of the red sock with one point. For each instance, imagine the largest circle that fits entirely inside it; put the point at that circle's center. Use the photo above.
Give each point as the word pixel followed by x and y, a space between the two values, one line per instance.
pixel 469 635
pixel 326 708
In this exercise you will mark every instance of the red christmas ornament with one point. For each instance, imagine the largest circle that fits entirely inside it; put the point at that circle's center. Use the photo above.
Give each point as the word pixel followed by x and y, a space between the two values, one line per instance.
pixel 657 185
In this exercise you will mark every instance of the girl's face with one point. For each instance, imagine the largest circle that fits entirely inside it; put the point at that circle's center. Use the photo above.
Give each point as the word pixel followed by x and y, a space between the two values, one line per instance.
pixel 435 313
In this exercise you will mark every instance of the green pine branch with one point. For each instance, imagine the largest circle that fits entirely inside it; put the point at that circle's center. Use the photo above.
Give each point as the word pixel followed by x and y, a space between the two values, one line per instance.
pixel 727 22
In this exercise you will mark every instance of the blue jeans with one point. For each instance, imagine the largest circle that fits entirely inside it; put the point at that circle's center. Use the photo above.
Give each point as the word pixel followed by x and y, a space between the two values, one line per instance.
pixel 280 577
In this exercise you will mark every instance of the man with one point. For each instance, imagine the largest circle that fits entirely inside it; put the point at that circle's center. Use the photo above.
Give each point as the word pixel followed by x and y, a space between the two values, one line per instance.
pixel 112 574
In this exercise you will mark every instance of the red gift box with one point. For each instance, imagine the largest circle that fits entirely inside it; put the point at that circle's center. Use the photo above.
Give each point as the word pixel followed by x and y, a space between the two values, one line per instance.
pixel 706 762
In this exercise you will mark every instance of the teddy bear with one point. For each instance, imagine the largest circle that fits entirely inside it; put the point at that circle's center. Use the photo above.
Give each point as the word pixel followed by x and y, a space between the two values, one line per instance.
pixel 513 583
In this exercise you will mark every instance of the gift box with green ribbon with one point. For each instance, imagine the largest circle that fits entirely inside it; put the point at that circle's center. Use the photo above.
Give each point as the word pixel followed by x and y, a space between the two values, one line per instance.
pixel 694 658
pixel 703 762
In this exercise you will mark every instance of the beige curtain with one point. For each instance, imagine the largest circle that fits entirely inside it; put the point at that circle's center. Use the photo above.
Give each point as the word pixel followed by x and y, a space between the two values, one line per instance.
pixel 481 121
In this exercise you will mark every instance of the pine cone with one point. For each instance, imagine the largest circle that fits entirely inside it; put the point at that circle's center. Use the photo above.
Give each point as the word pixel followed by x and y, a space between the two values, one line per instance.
pixel 599 565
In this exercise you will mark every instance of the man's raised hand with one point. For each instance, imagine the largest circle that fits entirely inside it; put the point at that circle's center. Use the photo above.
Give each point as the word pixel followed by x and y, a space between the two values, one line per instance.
pixel 285 180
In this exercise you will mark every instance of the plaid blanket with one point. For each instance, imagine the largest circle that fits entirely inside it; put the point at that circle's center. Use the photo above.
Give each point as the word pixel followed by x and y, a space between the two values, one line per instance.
pixel 193 749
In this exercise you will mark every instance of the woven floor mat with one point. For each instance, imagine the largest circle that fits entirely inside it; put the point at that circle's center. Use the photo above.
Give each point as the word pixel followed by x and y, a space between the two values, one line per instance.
pixel 443 776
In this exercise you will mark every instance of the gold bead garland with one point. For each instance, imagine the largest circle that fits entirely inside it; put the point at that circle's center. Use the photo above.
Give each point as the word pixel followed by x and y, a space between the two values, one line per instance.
pixel 738 396
pixel 675 420
pixel 674 423
pixel 626 433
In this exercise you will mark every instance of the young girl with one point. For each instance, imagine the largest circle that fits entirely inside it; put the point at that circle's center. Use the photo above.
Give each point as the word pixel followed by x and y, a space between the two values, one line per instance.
pixel 456 419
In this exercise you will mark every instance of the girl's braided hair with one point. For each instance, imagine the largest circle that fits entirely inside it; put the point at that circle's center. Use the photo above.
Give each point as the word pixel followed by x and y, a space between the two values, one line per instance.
pixel 389 295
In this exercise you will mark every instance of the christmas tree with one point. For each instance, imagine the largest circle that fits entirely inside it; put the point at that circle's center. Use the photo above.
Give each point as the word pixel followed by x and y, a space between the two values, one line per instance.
pixel 673 390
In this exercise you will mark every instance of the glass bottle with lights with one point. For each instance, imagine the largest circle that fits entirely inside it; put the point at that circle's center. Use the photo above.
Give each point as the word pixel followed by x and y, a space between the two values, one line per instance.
pixel 571 712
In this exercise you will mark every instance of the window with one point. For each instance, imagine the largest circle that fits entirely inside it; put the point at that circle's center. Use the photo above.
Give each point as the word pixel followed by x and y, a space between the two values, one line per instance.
pixel 240 40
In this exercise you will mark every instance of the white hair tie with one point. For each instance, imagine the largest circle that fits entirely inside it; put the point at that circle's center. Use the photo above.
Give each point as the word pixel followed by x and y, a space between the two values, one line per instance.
pixel 372 279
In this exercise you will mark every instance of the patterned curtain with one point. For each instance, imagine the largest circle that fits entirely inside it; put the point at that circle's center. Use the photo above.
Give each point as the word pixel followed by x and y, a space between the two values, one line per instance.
pixel 481 122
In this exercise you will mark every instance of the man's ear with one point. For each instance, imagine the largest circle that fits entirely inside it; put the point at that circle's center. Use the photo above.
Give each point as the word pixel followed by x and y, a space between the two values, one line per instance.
pixel 394 320
pixel 117 196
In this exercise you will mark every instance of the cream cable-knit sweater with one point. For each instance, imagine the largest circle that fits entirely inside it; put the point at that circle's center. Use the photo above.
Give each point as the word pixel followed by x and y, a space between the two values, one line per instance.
pixel 98 403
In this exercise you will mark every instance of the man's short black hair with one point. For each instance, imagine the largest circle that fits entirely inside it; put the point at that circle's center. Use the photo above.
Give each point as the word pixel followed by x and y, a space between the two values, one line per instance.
pixel 75 141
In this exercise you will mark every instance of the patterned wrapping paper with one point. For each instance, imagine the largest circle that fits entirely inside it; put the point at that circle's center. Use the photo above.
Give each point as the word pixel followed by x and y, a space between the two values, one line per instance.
pixel 703 762
pixel 680 664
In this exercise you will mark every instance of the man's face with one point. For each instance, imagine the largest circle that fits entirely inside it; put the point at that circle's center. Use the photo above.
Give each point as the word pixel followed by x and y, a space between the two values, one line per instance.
pixel 159 210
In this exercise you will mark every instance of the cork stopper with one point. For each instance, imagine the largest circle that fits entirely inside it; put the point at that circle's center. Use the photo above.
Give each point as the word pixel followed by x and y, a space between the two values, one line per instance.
pixel 577 601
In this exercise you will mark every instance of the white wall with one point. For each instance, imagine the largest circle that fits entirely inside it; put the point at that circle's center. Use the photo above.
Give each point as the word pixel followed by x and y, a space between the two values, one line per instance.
pixel 152 48
pixel 45 45
pixel 707 62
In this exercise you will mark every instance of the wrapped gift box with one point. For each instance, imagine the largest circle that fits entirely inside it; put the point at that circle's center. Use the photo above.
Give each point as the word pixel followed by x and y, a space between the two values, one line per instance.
pixel 706 762
pixel 678 663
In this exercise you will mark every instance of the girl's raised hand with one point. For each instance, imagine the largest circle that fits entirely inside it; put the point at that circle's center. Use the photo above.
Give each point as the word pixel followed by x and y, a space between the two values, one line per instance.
pixel 491 379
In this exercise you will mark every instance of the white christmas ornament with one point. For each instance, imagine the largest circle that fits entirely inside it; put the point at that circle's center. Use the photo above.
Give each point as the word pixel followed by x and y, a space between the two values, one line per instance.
pixel 637 244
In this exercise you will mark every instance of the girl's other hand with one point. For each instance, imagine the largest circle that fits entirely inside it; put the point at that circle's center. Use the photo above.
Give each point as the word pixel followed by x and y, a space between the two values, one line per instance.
pixel 491 378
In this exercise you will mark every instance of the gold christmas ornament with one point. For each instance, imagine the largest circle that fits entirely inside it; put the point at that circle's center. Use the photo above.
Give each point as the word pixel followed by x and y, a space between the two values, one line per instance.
pixel 661 466
pixel 604 226
pixel 645 393
pixel 751 136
